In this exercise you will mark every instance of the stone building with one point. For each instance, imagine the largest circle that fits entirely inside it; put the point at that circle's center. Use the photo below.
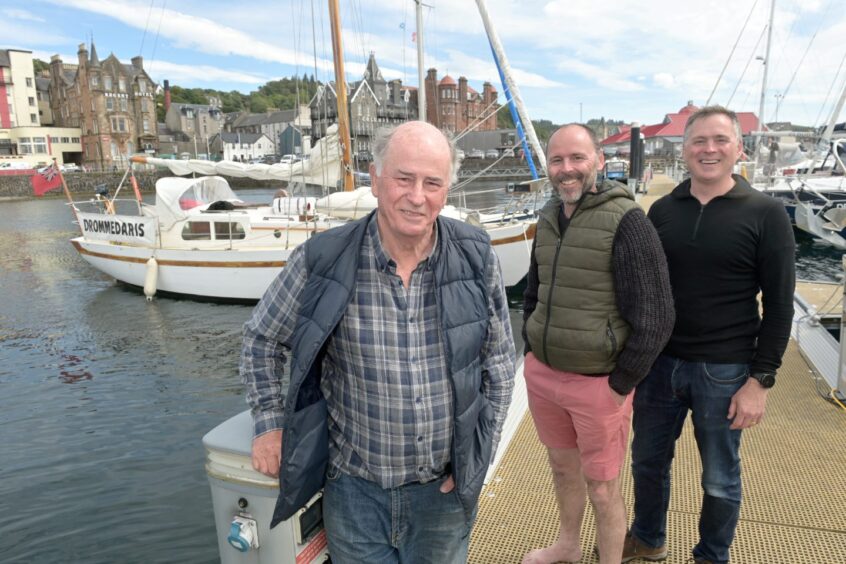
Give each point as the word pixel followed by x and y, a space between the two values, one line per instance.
pixel 454 106
pixel 273 124
pixel 195 124
pixel 373 102
pixel 111 102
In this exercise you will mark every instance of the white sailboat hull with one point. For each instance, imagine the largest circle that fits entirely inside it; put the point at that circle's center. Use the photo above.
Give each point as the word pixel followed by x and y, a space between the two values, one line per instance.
pixel 239 274
pixel 245 274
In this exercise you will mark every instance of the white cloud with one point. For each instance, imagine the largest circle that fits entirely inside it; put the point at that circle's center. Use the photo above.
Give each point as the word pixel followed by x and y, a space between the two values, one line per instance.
pixel 18 14
pixel 198 74
pixel 664 80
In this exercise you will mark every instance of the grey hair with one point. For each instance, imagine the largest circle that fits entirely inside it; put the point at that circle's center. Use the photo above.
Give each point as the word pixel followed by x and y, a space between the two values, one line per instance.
pixel 594 139
pixel 709 111
pixel 382 140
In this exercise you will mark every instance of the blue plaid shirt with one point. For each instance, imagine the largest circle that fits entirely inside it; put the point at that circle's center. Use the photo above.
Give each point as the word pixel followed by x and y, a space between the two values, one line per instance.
pixel 385 376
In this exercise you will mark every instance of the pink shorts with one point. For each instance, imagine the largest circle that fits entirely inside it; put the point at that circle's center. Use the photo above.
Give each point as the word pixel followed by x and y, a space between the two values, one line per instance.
pixel 575 411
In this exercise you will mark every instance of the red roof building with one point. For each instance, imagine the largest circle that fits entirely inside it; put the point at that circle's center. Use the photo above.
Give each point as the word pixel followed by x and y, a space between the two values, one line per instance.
pixel 665 138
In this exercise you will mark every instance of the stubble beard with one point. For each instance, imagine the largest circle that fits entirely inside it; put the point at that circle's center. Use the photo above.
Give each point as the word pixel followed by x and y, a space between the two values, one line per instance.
pixel 568 197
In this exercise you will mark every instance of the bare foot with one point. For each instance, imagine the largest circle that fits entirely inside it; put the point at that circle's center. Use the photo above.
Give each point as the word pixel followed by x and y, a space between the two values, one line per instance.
pixel 554 553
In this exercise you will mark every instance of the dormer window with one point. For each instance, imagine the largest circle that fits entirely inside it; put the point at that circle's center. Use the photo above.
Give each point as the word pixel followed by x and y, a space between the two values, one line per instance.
pixel 122 84
pixel 107 82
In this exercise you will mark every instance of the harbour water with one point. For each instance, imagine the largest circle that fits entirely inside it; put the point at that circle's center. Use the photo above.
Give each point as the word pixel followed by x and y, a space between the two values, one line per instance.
pixel 104 399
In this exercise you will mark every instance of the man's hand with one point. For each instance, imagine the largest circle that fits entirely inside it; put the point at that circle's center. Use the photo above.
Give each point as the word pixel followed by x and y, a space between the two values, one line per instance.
pixel 267 453
pixel 620 399
pixel 448 485
pixel 748 405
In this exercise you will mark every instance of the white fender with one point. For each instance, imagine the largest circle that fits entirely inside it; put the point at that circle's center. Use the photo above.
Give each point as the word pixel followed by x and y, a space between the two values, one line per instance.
pixel 151 278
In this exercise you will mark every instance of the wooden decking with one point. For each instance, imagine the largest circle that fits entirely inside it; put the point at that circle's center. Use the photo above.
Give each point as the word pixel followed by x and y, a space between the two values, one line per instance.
pixel 794 489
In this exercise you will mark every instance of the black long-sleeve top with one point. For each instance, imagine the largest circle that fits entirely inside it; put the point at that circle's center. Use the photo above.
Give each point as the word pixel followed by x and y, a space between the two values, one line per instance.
pixel 642 291
pixel 720 256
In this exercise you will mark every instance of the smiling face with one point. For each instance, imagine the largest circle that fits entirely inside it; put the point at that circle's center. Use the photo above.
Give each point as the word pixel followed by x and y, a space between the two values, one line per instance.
pixel 412 186
pixel 573 162
pixel 711 149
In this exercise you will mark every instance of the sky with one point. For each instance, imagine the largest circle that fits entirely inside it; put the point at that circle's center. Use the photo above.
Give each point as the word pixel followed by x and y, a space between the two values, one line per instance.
pixel 572 60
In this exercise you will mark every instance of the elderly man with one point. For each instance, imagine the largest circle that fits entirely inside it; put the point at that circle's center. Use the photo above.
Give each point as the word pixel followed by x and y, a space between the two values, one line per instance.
pixel 725 242
pixel 402 366
pixel 598 311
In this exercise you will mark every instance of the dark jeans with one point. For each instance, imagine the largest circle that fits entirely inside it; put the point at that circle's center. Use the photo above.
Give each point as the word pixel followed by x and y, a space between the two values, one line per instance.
pixel 661 403
pixel 414 523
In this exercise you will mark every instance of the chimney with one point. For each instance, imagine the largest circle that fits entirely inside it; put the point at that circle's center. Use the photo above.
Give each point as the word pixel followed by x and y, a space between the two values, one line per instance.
pixel 138 62
pixel 82 54
pixel 167 95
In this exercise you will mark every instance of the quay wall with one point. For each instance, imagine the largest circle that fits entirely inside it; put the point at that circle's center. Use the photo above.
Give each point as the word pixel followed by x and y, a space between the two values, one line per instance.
pixel 83 184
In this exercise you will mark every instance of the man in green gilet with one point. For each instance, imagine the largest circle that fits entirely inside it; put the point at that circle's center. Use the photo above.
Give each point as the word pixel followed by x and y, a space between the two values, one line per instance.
pixel 597 311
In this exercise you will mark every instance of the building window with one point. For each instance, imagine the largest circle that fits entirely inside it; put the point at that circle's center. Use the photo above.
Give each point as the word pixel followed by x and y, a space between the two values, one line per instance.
pixel 110 104
pixel 107 82
pixel 123 104
pixel 25 146
pixel 76 139
pixel 142 86
pixel 122 84
pixel 115 151
pixel 33 118
pixel 118 124
pixel 95 81
pixel 146 125
pixel 31 101
pixel 65 140
pixel 144 103
pixel 39 145
pixel 29 82
pixel 38 95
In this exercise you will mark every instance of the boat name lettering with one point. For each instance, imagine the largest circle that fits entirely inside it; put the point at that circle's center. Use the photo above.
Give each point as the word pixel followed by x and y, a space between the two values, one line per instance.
pixel 113 227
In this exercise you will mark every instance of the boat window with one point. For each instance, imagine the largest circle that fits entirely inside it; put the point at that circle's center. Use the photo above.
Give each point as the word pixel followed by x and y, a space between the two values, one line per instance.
pixel 228 230
pixel 197 231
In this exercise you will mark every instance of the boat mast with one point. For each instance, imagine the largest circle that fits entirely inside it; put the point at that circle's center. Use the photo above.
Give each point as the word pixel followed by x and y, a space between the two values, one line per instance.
pixel 829 130
pixel 341 93
pixel 764 85
pixel 493 37
pixel 421 85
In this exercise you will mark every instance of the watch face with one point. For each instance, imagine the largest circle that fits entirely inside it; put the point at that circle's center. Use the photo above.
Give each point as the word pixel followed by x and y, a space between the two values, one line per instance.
pixel 766 380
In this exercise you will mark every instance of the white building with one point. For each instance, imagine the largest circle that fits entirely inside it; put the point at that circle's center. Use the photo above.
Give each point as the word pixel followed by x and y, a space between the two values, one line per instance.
pixel 18 97
pixel 242 147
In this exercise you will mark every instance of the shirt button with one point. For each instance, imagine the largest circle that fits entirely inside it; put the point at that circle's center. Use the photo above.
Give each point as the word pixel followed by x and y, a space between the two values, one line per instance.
pixel 419 439
pixel 419 400
pixel 419 468
pixel 411 319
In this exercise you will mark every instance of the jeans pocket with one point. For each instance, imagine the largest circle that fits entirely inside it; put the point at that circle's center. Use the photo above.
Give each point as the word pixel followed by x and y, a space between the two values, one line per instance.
pixel 728 374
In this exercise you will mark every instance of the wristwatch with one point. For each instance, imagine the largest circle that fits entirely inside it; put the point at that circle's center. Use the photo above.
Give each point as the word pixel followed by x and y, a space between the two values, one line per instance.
pixel 766 379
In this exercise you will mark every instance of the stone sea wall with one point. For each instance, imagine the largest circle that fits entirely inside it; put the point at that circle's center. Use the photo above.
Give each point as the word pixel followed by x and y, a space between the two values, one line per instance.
pixel 83 184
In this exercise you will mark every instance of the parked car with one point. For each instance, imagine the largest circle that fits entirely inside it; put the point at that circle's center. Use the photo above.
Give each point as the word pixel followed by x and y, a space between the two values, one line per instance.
pixel 460 154
pixel 475 154
pixel 508 153
pixel 288 159
pixel 70 167
pixel 491 154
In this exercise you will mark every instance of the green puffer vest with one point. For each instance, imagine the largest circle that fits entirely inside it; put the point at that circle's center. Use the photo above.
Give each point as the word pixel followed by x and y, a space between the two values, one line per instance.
pixel 576 326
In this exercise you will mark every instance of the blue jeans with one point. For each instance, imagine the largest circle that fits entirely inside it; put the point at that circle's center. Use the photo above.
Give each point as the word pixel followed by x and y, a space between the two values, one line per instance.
pixel 414 523
pixel 661 403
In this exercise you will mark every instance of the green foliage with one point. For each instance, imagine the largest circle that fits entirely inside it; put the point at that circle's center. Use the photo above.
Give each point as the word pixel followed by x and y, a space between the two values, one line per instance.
pixel 38 65
pixel 544 129
pixel 503 119
pixel 275 95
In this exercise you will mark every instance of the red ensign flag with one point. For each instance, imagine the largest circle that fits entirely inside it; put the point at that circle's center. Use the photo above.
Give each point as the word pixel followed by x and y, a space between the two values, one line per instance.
pixel 46 180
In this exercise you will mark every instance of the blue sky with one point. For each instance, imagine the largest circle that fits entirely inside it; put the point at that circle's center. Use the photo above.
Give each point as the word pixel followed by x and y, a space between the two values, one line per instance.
pixel 633 60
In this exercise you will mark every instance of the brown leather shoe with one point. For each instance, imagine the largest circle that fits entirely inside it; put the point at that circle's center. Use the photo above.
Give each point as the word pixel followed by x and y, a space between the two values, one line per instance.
pixel 633 548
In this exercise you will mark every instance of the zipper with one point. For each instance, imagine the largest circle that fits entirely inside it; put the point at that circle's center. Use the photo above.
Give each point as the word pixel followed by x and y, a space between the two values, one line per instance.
pixel 549 298
pixel 612 337
pixel 698 219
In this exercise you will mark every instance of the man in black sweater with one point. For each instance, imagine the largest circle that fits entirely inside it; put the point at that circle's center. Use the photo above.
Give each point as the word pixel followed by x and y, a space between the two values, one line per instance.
pixel 725 242
pixel 598 311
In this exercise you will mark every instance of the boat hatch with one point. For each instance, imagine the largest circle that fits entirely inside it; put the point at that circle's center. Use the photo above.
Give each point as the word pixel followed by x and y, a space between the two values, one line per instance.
pixel 176 197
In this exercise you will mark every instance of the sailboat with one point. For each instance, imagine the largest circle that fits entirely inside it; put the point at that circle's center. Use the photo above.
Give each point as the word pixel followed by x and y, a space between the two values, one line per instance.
pixel 198 239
